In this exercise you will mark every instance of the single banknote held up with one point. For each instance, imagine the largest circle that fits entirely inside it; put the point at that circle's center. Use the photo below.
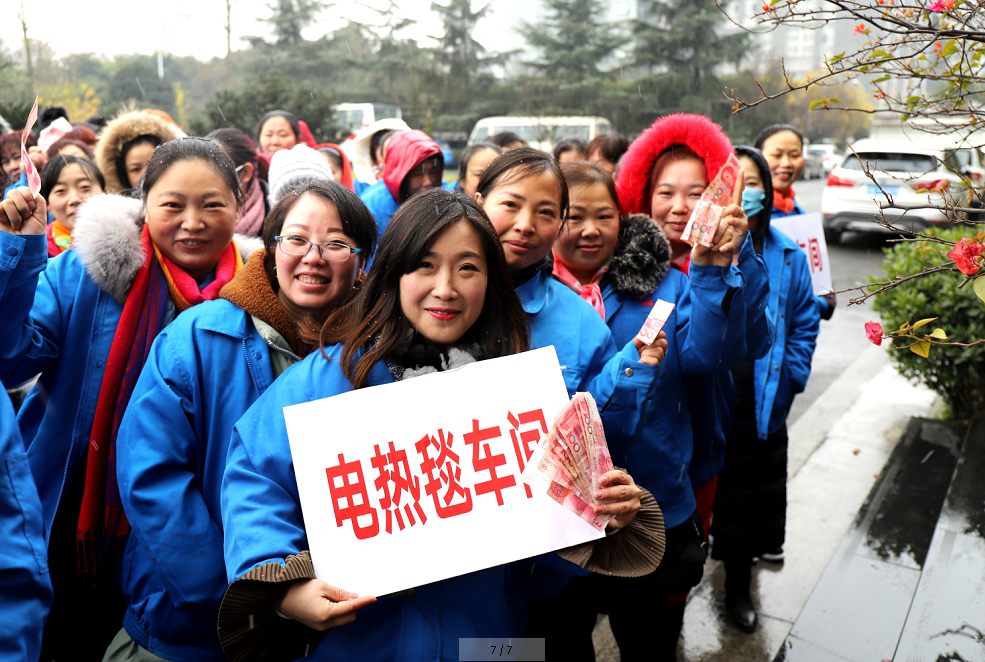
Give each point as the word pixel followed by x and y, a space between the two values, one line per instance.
pixel 655 321
pixel 700 228
pixel 572 458
pixel 33 178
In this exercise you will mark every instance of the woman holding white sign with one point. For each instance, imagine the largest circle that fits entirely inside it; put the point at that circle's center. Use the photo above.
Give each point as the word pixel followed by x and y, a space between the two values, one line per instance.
pixel 203 372
pixel 444 301
pixel 783 147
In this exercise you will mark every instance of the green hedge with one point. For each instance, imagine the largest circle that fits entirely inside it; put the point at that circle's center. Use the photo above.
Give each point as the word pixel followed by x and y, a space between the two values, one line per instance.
pixel 953 372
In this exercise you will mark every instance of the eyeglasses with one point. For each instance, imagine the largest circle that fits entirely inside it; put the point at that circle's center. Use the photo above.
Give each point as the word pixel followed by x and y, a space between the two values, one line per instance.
pixel 333 251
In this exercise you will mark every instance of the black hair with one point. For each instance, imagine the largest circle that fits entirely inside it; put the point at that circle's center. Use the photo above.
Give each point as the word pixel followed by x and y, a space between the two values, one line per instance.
pixel 611 146
pixel 504 138
pixel 53 170
pixel 376 140
pixel 49 115
pixel 240 148
pixel 334 155
pixel 404 190
pixel 357 220
pixel 188 149
pixel 763 167
pixel 98 122
pixel 121 158
pixel 570 144
pixel 290 117
pixel 472 150
pixel 375 312
pixel 524 162
pixel 773 129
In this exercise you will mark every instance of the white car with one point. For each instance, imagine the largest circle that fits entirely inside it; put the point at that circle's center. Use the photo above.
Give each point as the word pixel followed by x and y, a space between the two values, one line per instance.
pixel 920 181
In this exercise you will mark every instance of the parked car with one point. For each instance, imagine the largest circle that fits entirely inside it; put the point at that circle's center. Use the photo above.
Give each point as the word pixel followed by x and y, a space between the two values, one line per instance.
pixel 447 153
pixel 920 181
pixel 351 118
pixel 541 132
pixel 827 154
pixel 813 168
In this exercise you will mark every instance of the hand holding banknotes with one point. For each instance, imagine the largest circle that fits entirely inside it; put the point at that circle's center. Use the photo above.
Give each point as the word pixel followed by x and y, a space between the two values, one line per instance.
pixel 619 497
pixel 22 213
pixel 321 606
pixel 653 353
pixel 730 234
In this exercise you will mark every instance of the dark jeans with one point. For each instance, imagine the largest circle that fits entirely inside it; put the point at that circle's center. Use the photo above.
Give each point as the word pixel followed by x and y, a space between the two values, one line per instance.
pixel 646 626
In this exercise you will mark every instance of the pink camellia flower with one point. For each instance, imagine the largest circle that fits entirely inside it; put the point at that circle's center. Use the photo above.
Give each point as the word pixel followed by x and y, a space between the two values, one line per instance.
pixel 873 331
pixel 860 28
pixel 967 256
pixel 941 6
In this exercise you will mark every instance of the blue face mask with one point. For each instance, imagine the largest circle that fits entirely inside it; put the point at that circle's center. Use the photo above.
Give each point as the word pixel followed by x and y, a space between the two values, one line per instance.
pixel 752 201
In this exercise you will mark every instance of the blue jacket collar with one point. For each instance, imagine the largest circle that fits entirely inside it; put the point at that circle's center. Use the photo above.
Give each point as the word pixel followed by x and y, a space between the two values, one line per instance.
pixel 533 293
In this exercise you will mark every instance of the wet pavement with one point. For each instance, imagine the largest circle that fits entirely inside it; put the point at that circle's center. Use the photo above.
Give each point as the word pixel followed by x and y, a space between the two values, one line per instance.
pixel 839 446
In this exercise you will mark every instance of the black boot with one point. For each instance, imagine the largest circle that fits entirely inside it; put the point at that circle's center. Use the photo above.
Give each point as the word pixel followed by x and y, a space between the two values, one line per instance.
pixel 738 575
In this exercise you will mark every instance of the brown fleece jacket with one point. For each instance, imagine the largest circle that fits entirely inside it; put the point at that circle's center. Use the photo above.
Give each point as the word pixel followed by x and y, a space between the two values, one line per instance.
pixel 251 290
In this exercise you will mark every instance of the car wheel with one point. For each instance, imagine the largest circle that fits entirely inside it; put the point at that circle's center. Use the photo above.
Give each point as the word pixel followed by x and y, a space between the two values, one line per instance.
pixel 832 237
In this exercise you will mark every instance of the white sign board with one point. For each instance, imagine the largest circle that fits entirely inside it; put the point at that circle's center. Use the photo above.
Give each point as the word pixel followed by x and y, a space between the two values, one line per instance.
pixel 807 231
pixel 413 482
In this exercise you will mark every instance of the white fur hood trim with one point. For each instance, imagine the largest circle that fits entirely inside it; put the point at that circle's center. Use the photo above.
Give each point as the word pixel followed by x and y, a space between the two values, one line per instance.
pixel 107 238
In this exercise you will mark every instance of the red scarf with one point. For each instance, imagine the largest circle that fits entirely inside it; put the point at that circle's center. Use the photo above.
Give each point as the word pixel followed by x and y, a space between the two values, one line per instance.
pixel 784 200
pixel 103 525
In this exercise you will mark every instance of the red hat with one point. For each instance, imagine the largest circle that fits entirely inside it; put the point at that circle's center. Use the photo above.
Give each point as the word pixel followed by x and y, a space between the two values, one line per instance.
pixel 698 133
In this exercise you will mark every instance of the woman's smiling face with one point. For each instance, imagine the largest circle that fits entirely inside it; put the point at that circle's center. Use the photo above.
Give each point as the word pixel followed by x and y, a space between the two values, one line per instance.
pixel 526 214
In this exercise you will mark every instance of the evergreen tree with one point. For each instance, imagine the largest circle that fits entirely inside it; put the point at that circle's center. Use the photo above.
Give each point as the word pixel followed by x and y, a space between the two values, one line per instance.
pixel 684 37
pixel 573 40
pixel 287 19
pixel 458 50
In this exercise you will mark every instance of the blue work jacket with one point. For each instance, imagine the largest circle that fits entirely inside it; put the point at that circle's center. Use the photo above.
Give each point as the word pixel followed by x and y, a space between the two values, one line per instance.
pixel 25 585
pixel 701 340
pixel 782 373
pixel 204 371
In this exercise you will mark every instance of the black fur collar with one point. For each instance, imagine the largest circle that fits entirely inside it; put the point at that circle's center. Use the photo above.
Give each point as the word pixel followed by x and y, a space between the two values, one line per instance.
pixel 641 259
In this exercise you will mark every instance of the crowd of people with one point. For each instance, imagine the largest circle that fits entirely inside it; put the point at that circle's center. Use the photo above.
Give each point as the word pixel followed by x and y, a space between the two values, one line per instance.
pixel 164 297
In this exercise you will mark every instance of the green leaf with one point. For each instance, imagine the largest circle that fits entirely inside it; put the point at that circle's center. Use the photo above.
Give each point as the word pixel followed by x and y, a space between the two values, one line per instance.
pixel 949 48
pixel 814 104
pixel 882 79
pixel 834 100
pixel 922 322
pixel 912 101
pixel 939 334
pixel 838 57
pixel 921 348
pixel 980 288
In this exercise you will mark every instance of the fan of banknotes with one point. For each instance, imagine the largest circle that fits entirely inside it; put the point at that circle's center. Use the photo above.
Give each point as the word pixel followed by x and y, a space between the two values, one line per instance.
pixel 572 459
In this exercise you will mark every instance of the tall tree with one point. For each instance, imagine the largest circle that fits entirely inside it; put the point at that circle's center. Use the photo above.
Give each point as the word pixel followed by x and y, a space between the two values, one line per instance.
pixel 22 17
pixel 288 18
pixel 573 40
pixel 685 37
pixel 458 50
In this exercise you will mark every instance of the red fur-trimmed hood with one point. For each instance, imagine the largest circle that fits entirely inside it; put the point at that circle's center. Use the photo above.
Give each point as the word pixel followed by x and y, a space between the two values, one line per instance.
pixel 697 132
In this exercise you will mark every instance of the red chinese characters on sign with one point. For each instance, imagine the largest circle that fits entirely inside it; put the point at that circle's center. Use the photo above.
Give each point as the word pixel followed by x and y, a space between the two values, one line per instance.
pixel 399 489
pixel 443 471
pixel 525 441
pixel 812 249
pixel 484 460
pixel 393 480
pixel 344 492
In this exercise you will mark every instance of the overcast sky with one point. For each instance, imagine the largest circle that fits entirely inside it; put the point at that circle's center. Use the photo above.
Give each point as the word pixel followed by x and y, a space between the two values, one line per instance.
pixel 196 27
